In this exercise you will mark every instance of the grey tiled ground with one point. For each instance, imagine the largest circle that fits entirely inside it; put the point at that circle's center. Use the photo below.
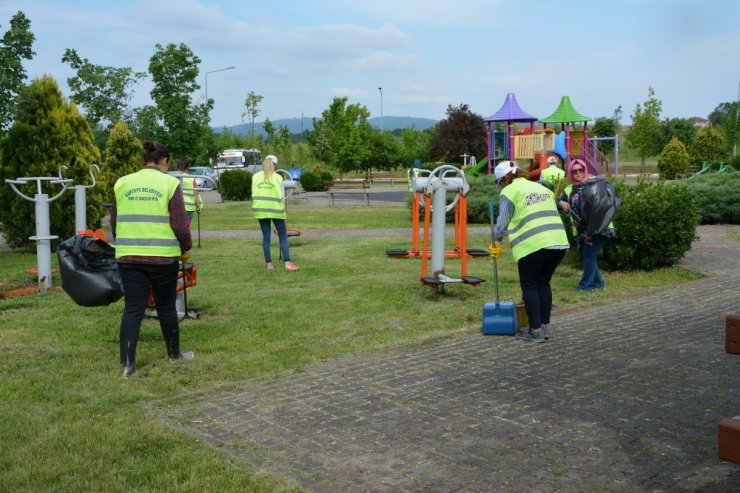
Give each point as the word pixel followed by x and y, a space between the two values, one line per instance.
pixel 624 398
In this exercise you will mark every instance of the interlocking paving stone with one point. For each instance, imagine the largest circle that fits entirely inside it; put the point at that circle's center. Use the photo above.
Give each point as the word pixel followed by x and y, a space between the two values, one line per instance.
pixel 625 397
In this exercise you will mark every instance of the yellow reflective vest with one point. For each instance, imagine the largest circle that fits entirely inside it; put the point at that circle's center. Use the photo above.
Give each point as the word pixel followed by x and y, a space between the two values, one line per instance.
pixel 267 196
pixel 535 223
pixel 188 194
pixel 552 175
pixel 143 215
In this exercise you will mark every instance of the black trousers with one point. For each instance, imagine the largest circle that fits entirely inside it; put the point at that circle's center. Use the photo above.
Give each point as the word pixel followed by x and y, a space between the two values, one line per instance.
pixel 535 273
pixel 137 279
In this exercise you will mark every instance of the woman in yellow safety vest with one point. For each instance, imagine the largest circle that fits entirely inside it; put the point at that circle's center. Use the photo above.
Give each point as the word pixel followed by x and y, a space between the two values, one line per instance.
pixel 193 201
pixel 530 218
pixel 267 205
pixel 152 234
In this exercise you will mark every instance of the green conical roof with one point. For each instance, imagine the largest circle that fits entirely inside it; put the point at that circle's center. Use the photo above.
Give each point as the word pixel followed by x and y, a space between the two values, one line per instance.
pixel 565 113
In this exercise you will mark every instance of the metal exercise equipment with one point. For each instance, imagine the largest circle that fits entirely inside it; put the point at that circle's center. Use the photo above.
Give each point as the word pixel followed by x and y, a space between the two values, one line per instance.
pixel 43 235
pixel 435 187
pixel 80 198
pixel 418 201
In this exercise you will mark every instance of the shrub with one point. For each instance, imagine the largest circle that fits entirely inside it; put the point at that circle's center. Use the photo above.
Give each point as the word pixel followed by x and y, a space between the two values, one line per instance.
pixel 655 226
pixel 326 176
pixel 673 159
pixel 235 184
pixel 708 146
pixel 482 188
pixel 311 181
pixel 717 194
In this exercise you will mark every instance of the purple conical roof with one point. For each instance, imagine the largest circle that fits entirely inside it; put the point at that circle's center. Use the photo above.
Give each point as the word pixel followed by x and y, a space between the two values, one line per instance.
pixel 510 112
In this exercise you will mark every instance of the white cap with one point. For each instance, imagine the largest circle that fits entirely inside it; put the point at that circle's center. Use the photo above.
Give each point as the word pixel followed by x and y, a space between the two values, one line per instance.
pixel 504 168
pixel 552 160
pixel 272 158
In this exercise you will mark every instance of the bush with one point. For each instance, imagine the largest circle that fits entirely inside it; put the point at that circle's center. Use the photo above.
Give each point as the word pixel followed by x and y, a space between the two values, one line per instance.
pixel 235 184
pixel 717 194
pixel 655 226
pixel 708 146
pixel 311 181
pixel 326 176
pixel 673 159
pixel 482 188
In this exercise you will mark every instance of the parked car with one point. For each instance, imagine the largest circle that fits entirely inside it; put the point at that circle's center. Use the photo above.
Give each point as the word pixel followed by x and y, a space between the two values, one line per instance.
pixel 210 179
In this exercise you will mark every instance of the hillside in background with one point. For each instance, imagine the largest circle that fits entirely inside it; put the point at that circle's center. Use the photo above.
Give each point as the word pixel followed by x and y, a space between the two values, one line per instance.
pixel 295 125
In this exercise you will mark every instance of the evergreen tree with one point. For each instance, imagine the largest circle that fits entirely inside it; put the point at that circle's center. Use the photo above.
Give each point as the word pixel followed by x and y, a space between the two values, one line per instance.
pixel 708 146
pixel 673 159
pixel 122 156
pixel 48 133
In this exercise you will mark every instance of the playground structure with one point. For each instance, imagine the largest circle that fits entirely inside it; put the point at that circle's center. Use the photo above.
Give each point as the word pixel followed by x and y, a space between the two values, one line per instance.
pixel 708 167
pixel 536 145
pixel 430 191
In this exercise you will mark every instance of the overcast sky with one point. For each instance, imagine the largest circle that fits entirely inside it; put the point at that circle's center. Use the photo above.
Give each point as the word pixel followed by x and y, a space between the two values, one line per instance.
pixel 425 54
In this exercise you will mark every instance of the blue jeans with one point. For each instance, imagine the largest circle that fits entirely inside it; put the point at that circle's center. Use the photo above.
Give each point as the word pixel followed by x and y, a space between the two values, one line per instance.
pixel 592 278
pixel 282 232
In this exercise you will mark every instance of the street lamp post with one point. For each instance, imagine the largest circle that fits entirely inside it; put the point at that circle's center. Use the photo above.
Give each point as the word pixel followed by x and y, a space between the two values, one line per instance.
pixel 737 108
pixel 381 109
pixel 214 71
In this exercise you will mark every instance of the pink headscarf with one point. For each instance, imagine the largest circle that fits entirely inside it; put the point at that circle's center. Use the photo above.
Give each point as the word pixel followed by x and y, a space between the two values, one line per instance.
pixel 569 172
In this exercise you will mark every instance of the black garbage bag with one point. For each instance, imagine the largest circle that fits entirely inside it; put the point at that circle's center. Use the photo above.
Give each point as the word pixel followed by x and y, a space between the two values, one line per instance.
pixel 600 204
pixel 89 271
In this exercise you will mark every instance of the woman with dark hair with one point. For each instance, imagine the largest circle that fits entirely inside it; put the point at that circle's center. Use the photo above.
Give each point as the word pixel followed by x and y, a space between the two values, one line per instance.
pixel 152 234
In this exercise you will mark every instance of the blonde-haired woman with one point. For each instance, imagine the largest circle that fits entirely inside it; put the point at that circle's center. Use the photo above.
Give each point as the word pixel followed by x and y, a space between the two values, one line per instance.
pixel 267 205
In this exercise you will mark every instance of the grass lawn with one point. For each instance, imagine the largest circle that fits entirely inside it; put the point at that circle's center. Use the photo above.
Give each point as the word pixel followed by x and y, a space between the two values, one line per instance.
pixel 69 423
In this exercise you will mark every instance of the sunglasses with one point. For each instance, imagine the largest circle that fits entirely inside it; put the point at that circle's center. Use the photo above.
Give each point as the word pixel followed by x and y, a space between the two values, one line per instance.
pixel 577 170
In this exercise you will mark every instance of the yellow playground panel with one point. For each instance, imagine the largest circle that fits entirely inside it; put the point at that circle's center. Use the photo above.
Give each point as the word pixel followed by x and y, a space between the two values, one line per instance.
pixel 526 146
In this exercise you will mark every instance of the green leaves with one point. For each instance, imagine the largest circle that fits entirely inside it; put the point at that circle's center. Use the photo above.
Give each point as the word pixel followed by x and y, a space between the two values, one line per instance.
pixel 673 159
pixel 14 48
pixel 655 226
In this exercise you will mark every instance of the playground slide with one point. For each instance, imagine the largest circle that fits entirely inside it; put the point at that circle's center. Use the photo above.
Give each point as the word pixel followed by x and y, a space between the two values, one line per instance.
pixel 480 166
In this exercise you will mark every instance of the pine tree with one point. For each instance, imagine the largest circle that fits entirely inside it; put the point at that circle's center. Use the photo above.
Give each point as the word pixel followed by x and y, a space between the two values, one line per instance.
pixel 48 133
pixel 122 156
pixel 673 159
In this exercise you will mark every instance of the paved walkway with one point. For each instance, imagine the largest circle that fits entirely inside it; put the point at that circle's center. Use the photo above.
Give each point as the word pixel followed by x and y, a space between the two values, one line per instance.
pixel 624 398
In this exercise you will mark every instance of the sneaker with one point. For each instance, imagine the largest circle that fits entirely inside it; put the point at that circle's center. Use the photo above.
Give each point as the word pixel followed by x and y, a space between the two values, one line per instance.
pixel 290 266
pixel 187 355
pixel 530 335
pixel 270 266
pixel 128 370
pixel 546 332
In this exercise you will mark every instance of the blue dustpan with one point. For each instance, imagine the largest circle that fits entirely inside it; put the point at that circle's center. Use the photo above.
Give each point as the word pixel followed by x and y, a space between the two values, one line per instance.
pixel 499 318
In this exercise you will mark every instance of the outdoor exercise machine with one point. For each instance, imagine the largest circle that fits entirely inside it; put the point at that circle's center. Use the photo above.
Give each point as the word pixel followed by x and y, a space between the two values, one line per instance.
pixel 435 186
pixel 43 235
pixel 418 201
pixel 80 198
